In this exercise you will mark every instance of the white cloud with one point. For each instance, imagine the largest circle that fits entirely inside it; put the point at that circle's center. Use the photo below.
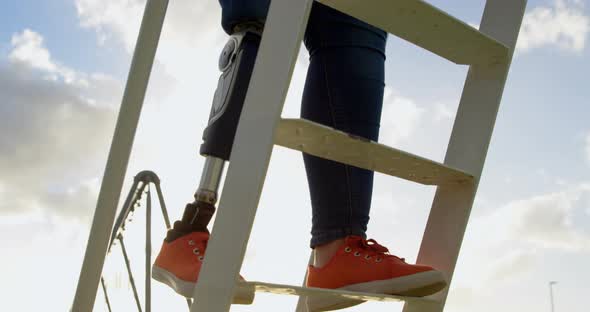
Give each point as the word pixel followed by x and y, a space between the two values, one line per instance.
pixel 45 247
pixel 28 51
pixel 564 24
pixel 400 117
pixel 54 131
pixel 547 222
pixel 185 70
pixel 513 235
pixel 443 112
pixel 191 28
pixel 28 48
pixel 517 245
pixel 544 221
pixel 462 299
pixel 111 19
pixel 512 264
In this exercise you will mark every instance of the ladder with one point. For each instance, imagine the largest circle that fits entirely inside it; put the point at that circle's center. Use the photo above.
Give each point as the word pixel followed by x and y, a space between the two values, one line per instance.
pixel 488 51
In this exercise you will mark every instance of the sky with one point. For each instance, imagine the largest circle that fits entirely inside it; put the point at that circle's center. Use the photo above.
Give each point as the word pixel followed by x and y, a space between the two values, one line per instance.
pixel 63 66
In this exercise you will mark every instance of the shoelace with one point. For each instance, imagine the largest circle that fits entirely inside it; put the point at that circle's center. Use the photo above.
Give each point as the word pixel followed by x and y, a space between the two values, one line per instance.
pixel 375 249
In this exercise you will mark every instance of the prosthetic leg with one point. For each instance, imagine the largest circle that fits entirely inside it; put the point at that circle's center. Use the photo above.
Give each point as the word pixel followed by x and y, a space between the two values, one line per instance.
pixel 179 261
pixel 236 63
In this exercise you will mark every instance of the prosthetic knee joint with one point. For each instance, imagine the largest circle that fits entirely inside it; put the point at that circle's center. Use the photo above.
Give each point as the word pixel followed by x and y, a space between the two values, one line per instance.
pixel 236 63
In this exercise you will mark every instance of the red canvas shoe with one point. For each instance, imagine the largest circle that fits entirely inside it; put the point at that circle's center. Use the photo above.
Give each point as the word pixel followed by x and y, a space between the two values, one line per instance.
pixel 365 266
pixel 179 262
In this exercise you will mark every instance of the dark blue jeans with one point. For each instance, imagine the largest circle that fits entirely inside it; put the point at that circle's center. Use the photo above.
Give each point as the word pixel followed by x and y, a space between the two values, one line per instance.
pixel 344 90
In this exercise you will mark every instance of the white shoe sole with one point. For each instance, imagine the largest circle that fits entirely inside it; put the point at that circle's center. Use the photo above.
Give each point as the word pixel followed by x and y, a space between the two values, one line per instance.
pixel 415 285
pixel 184 288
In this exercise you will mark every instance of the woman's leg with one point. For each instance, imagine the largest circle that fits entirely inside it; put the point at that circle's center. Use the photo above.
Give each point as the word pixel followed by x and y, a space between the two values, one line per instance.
pixel 344 90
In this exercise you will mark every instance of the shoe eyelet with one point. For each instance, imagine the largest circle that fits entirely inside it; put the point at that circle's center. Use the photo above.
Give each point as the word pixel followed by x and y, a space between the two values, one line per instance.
pixel 196 251
pixel 347 249
pixel 357 254
pixel 201 258
pixel 378 259
pixel 367 257
pixel 191 242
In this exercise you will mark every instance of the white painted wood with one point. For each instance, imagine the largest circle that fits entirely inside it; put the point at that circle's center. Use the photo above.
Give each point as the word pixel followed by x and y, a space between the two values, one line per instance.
pixel 112 182
pixel 325 142
pixel 428 27
pixel 251 153
pixel 324 292
pixel 468 147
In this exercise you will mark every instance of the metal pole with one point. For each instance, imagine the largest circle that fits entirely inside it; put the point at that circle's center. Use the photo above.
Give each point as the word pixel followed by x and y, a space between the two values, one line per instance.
pixel 129 200
pixel 134 196
pixel 166 218
pixel 110 190
pixel 131 280
pixel 106 295
pixel 551 283
pixel 148 252
pixel 163 206
pixel 210 179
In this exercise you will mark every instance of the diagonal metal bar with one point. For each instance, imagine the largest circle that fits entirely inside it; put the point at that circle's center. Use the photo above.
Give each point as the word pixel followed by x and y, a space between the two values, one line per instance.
pixel 163 205
pixel 134 196
pixel 106 295
pixel 148 251
pixel 131 280
pixel 189 302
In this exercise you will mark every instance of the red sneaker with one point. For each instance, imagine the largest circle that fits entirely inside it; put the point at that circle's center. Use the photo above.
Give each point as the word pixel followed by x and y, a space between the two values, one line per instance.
pixel 179 262
pixel 365 266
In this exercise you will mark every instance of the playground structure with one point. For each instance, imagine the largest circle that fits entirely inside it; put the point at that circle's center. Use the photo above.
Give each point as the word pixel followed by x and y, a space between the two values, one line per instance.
pixel 142 185
pixel 488 51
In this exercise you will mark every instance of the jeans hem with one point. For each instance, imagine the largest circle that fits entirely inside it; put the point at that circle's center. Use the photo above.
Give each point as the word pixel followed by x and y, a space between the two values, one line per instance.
pixel 325 236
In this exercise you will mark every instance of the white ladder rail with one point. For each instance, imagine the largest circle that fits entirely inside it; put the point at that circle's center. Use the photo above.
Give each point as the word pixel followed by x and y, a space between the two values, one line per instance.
pixel 116 167
pixel 468 147
pixel 251 151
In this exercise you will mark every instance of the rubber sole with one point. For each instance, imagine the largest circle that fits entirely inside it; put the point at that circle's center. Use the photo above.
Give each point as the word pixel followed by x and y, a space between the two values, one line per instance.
pixel 416 285
pixel 184 288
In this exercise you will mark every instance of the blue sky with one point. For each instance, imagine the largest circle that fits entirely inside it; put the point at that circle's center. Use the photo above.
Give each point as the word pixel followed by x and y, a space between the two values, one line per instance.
pixel 61 82
pixel 58 21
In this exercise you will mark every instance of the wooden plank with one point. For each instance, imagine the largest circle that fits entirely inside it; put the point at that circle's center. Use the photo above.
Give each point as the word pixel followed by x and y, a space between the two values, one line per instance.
pixel 315 292
pixel 328 143
pixel 428 27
